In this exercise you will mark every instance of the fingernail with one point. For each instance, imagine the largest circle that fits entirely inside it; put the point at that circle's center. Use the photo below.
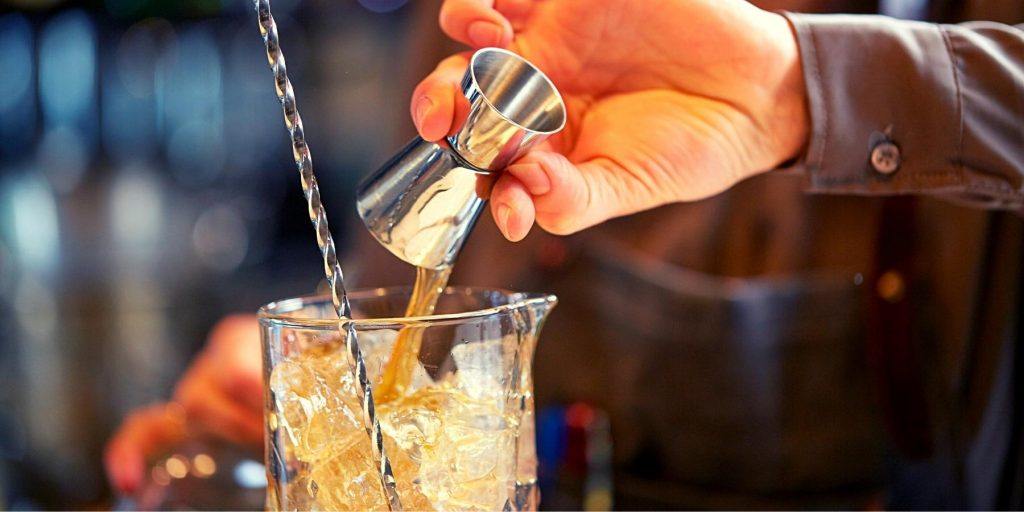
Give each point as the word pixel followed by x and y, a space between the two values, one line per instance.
pixel 504 215
pixel 485 33
pixel 423 106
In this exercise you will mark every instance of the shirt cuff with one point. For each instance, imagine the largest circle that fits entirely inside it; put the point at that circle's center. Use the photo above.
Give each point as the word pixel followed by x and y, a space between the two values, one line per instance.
pixel 884 106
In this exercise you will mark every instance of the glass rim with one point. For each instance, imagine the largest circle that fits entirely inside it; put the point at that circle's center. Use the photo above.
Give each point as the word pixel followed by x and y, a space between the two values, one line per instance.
pixel 266 312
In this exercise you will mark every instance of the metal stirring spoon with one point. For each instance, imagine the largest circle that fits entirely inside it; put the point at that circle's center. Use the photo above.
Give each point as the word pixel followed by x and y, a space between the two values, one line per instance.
pixel 318 215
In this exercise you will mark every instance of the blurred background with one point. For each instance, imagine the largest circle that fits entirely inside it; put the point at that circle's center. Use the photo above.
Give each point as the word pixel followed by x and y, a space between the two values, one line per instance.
pixel 703 356
pixel 146 190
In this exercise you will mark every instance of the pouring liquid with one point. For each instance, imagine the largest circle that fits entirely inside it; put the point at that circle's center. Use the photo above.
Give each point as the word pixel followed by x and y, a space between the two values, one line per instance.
pixel 398 372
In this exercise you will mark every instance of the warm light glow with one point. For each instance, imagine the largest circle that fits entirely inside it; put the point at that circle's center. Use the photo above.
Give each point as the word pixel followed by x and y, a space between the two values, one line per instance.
pixel 177 466
pixel 203 465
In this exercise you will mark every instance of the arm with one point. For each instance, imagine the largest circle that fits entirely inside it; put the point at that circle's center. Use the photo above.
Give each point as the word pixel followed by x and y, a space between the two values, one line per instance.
pixel 943 105
pixel 678 101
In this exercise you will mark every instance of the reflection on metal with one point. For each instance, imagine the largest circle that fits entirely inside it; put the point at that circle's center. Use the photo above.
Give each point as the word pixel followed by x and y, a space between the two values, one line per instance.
pixel 423 203
pixel 513 107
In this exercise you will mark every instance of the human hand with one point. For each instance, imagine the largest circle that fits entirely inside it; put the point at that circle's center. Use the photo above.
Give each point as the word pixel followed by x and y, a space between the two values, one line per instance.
pixel 220 394
pixel 667 101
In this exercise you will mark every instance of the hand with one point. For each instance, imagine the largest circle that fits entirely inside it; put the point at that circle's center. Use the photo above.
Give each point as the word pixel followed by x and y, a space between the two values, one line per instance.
pixel 220 394
pixel 672 100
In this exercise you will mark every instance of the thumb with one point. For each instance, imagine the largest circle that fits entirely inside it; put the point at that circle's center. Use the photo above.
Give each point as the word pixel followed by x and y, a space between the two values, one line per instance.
pixel 566 197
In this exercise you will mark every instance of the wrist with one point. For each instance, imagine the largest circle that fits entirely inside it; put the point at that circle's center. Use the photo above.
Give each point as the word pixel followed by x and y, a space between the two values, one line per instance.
pixel 788 120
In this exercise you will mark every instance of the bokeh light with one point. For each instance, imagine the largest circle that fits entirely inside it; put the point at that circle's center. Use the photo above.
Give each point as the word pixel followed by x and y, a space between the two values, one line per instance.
pixel 220 239
pixel 177 466
pixel 64 157
pixel 194 108
pixel 16 41
pixel 31 223
pixel 136 212
pixel 203 465
pixel 67 68
pixel 17 101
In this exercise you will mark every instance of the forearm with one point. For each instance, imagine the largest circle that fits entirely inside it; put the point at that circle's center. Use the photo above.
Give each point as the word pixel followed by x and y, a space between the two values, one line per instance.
pixel 903 107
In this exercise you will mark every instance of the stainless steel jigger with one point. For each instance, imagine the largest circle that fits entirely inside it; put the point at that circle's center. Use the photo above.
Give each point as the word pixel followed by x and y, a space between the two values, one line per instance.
pixel 423 203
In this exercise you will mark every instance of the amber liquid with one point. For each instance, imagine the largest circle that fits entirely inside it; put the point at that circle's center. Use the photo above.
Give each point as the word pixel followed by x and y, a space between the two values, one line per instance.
pixel 453 440
pixel 430 283
pixel 452 444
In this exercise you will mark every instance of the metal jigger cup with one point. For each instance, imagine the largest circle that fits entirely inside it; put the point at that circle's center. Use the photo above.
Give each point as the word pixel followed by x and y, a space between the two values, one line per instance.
pixel 422 204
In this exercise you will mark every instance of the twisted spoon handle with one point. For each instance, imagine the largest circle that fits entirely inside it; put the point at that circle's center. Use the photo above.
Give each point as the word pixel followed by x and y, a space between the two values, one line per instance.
pixel 317 214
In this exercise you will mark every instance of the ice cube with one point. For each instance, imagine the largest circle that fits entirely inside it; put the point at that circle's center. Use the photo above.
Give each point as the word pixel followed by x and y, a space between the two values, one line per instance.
pixel 376 347
pixel 412 427
pixel 479 453
pixel 482 369
pixel 347 479
pixel 316 401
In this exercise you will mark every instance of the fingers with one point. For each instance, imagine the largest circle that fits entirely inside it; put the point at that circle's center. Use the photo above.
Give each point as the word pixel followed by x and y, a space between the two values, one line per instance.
pixel 438 106
pixel 241 333
pixel 560 191
pixel 211 407
pixel 142 435
pixel 476 23
pixel 221 416
pixel 562 197
pixel 515 11
pixel 234 359
pixel 222 391
pixel 244 388
pixel 512 207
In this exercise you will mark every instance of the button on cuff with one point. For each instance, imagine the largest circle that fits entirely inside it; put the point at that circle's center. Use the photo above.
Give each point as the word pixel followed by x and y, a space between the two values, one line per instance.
pixel 886 158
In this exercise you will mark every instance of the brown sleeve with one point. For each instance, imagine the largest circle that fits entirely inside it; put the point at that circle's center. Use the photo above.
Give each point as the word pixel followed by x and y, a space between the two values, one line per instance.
pixel 902 107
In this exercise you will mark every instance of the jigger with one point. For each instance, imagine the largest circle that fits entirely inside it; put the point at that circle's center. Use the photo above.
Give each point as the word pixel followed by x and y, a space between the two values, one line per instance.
pixel 422 204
